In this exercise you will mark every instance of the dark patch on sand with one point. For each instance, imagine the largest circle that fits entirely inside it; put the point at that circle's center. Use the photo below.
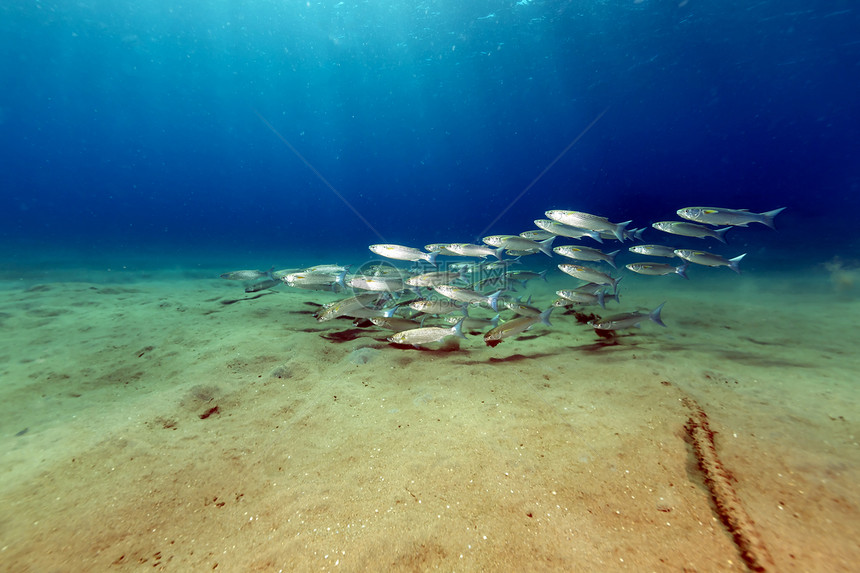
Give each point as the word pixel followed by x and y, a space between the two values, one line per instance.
pixel 235 300
pixel 210 412
pixel 47 312
pixel 145 350
pixel 345 335
pixel 761 342
pixel 520 357
pixel 363 355
pixel 200 397
pixel 116 290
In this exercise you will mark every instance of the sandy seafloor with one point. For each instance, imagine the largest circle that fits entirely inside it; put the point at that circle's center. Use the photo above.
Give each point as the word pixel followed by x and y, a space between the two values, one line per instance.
pixel 551 452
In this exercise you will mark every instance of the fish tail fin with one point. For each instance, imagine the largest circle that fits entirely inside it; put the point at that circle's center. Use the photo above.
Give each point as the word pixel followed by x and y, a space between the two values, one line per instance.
pixel 493 300
pixel 654 315
pixel 390 312
pixel 768 217
pixel 619 229
pixel 735 263
pixel 546 246
pixel 682 270
pixel 544 316
pixel 610 258
pixel 601 298
pixel 431 257
pixel 615 289
pixel 721 234
pixel 543 275
pixel 458 328
pixel 595 235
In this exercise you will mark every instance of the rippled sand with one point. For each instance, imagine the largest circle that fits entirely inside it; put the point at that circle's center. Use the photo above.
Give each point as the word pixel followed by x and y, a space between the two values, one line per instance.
pixel 148 422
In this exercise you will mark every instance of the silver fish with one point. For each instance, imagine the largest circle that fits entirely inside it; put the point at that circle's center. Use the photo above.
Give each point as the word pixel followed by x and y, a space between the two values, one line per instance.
pixel 419 336
pixel 520 308
pixel 433 279
pixel 563 230
pixel 537 234
pixel 588 221
pixel 653 250
pixel 266 284
pixel 327 269
pixel 470 250
pixel 313 280
pixel 439 249
pixel 378 284
pixel 588 274
pixel 734 217
pixel 394 323
pixel 658 269
pixel 516 243
pixel 247 275
pixel 515 327
pixel 627 320
pixel 710 259
pixel 586 298
pixel 686 229
pixel 349 306
pixel 468 296
pixel 401 253
pixel 586 254
pixel 473 323
pixel 437 306
pixel 496 240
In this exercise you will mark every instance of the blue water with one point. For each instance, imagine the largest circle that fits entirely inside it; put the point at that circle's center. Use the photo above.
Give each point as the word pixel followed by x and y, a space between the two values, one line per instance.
pixel 260 129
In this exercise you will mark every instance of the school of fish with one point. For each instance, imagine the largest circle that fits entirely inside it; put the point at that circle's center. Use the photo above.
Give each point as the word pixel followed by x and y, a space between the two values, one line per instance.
pixel 423 296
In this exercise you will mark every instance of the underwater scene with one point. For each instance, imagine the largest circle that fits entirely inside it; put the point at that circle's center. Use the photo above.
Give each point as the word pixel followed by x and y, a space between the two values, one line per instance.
pixel 520 285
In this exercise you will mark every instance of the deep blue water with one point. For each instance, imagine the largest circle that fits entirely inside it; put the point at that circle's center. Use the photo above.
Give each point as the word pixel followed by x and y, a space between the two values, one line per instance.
pixel 203 127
